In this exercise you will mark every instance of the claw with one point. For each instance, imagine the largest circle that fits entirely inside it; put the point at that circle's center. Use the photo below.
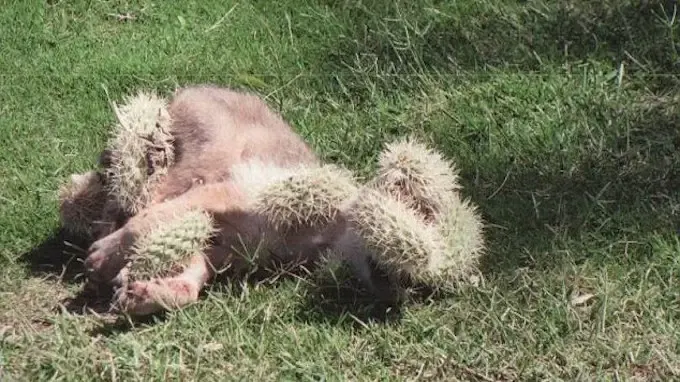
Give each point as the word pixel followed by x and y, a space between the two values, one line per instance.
pixel 106 258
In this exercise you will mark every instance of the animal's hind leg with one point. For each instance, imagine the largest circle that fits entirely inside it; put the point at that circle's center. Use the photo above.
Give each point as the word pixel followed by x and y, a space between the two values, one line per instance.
pixel 169 293
pixel 155 295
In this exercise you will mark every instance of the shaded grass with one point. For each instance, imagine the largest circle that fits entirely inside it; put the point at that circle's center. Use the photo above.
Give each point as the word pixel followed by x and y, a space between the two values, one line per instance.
pixel 562 117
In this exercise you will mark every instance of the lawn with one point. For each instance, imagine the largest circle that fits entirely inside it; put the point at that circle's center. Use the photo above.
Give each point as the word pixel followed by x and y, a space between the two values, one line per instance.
pixel 563 117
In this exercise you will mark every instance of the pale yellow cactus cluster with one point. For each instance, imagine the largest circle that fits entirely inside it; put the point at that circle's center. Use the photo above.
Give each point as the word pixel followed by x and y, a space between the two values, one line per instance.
pixel 398 238
pixel 311 197
pixel 417 176
pixel 170 245
pixel 140 151
pixel 426 211
pixel 411 215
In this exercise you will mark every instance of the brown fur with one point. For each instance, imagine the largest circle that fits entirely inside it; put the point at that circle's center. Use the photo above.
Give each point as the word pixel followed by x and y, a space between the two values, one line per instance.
pixel 215 129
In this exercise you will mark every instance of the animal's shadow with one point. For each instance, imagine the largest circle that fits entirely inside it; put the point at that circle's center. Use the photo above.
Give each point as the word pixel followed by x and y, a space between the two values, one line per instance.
pixel 330 297
pixel 61 256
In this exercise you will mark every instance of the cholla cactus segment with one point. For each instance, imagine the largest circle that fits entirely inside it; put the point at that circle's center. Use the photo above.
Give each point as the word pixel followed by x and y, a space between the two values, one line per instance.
pixel 417 175
pixel 81 201
pixel 462 229
pixel 311 197
pixel 400 242
pixel 141 150
pixel 165 248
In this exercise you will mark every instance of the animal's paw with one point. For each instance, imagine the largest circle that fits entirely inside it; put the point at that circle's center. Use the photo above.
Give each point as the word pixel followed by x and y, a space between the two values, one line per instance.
pixel 106 257
pixel 147 297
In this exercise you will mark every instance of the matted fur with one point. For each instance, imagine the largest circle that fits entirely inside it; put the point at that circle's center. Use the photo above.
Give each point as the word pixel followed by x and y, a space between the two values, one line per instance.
pixel 418 176
pixel 81 200
pixel 141 150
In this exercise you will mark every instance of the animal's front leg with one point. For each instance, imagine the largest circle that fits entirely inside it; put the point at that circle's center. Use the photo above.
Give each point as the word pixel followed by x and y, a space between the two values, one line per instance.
pixel 107 256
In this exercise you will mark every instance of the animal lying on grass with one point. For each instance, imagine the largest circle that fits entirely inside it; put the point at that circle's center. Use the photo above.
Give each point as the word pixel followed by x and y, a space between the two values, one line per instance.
pixel 188 188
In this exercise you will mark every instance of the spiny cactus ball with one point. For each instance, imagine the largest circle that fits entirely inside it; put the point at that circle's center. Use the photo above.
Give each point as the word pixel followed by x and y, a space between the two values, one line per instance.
pixel 309 198
pixel 141 150
pixel 418 176
pixel 401 243
pixel 81 201
pixel 168 246
pixel 462 230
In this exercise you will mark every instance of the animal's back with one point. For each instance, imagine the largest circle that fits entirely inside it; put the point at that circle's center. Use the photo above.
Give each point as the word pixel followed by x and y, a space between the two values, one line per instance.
pixel 234 126
pixel 216 129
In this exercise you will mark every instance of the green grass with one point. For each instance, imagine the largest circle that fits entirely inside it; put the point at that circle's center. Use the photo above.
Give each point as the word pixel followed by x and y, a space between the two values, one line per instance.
pixel 564 120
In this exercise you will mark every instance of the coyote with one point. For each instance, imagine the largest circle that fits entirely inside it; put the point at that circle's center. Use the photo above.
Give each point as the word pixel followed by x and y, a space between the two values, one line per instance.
pixel 226 142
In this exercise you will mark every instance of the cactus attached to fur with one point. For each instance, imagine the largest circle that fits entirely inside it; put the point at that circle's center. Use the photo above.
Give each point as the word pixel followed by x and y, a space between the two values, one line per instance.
pixel 410 216
pixel 427 184
pixel 418 176
pixel 462 230
pixel 141 150
pixel 439 254
pixel 311 197
pixel 167 247
pixel 81 201
pixel 401 243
